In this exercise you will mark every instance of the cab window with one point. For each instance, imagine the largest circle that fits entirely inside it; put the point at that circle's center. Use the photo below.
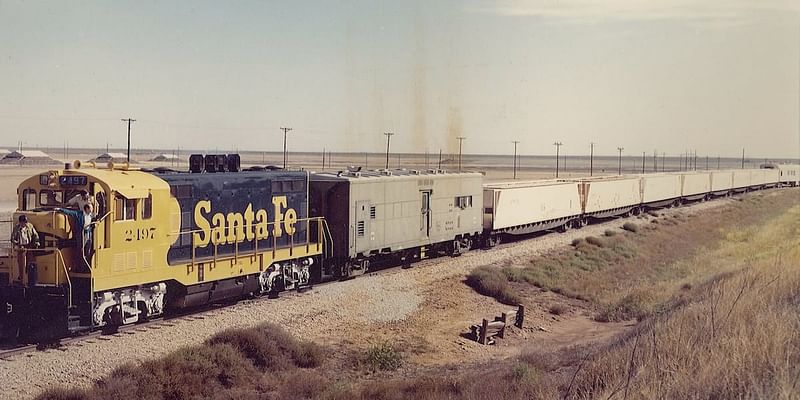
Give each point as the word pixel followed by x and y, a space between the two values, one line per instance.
pixel 51 198
pixel 28 199
pixel 147 207
pixel 125 209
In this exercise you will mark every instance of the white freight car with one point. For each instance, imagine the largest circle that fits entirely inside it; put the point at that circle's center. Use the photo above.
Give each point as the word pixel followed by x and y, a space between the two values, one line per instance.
pixel 721 182
pixel 695 185
pixel 525 207
pixel 611 195
pixel 789 174
pixel 741 180
pixel 660 189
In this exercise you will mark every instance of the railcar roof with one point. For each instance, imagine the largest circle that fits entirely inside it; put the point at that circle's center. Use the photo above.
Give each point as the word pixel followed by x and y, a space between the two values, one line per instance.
pixel 383 174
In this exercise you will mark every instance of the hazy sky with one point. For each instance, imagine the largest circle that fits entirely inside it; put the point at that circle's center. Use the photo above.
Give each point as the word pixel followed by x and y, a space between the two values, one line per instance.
pixel 711 75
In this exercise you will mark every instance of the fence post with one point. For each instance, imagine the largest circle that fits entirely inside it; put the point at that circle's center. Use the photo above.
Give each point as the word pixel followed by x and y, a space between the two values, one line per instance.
pixel 484 328
pixel 520 316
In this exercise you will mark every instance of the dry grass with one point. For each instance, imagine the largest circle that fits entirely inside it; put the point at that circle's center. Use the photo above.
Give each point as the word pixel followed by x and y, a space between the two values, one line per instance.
pixel 230 364
pixel 630 227
pixel 491 281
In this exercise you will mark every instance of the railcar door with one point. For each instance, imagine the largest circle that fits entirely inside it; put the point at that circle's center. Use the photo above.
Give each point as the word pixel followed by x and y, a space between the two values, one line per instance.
pixel 425 213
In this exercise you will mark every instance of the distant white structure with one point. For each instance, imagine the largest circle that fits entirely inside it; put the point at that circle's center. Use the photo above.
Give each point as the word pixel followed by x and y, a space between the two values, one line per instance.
pixel 28 157
pixel 165 157
pixel 116 158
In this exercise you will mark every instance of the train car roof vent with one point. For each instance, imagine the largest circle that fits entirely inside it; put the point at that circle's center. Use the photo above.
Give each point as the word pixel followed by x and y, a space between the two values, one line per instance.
pixel 414 172
pixel 439 171
pixel 386 172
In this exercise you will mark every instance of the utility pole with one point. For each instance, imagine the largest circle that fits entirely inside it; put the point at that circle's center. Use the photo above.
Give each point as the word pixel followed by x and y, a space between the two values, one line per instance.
pixel 366 160
pixel 388 139
pixel 285 131
pixel 706 162
pixel 440 159
pixel 663 160
pixel 516 142
pixel 620 160
pixel 129 121
pixel 558 147
pixel 323 159
pixel 591 158
pixel 460 142
pixel 718 162
pixel 742 157
pixel 644 160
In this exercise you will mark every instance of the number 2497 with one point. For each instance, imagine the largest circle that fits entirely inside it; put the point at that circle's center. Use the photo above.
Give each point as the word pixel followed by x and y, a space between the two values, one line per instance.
pixel 140 234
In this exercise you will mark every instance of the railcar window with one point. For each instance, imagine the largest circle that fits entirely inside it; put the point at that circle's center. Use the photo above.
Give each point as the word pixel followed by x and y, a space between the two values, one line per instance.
pixel 147 207
pixel 463 202
pixel 125 209
pixel 28 199
pixel 51 198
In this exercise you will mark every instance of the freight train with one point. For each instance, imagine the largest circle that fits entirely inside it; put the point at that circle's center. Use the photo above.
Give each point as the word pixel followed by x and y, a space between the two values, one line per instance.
pixel 163 240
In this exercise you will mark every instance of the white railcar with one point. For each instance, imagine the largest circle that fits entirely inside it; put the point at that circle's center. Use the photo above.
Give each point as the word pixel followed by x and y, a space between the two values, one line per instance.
pixel 695 185
pixel 660 189
pixel 741 180
pixel 611 195
pixel 525 207
pixel 721 182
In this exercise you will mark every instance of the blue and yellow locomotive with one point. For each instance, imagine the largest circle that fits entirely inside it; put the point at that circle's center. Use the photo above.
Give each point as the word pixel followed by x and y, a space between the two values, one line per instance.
pixel 161 240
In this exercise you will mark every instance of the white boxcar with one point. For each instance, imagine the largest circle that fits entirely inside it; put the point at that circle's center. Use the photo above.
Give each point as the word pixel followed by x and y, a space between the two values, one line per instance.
pixel 530 206
pixel 741 179
pixel 695 185
pixel 606 196
pixel 773 177
pixel 789 174
pixel 721 182
pixel 660 189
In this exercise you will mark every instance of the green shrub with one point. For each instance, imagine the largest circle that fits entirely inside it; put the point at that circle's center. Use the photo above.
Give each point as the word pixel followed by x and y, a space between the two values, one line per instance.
pixel 493 282
pixel 610 232
pixel 630 227
pixel 596 241
pixel 383 357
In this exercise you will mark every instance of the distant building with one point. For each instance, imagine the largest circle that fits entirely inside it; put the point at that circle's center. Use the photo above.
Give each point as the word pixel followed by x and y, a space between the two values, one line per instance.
pixel 165 157
pixel 3 152
pixel 116 158
pixel 28 157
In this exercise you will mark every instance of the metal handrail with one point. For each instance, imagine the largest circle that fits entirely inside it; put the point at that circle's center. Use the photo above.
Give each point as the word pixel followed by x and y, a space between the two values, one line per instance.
pixel 66 273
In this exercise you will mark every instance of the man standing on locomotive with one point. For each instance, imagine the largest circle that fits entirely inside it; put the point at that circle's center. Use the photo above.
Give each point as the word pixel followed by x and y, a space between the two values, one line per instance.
pixel 26 237
pixel 83 224
pixel 82 199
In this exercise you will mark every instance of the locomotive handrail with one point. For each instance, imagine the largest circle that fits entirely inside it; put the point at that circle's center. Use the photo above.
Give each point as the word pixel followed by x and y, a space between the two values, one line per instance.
pixel 66 273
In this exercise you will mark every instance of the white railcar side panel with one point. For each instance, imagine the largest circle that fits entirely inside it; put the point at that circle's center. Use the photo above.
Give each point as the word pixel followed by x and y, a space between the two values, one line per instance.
pixel 660 187
pixel 721 181
pixel 695 183
pixel 609 194
pixel 519 206
pixel 741 178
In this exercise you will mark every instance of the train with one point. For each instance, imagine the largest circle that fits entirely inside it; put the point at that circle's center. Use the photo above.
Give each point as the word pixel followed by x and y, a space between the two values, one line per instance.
pixel 164 240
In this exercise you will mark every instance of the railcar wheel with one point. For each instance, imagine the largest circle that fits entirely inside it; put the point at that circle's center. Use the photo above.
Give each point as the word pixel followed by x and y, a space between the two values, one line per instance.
pixel 566 227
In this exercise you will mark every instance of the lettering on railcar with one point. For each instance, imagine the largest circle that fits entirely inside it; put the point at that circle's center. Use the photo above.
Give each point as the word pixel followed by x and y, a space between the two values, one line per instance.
pixel 237 227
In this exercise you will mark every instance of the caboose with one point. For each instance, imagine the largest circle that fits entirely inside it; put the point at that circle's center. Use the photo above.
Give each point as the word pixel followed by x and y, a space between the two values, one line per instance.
pixel 161 240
